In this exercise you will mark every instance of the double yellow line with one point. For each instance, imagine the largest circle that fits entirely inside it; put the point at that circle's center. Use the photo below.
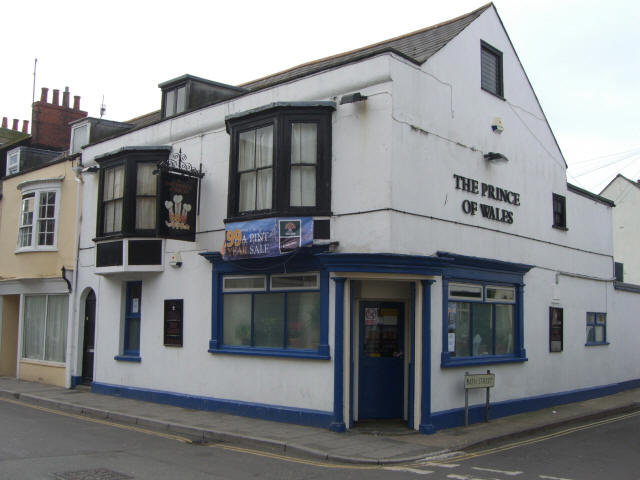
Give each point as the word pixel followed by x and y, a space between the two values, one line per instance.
pixel 324 464
pixel 531 441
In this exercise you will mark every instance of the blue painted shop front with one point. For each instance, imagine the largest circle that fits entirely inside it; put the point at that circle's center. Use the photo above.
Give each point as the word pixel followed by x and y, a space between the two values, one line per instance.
pixel 384 382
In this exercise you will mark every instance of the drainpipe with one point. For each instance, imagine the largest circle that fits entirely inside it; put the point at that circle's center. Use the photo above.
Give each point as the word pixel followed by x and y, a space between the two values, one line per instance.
pixel 73 318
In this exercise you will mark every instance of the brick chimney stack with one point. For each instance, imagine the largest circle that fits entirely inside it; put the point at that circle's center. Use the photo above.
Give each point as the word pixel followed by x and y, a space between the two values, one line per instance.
pixel 5 122
pixel 65 97
pixel 15 124
pixel 50 121
pixel 25 126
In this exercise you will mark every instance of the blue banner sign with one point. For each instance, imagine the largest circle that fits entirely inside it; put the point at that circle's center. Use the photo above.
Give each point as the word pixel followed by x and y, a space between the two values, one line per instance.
pixel 269 237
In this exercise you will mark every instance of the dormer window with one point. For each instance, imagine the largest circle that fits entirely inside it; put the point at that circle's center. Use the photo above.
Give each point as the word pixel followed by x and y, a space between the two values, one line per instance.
pixel 13 162
pixel 188 92
pixel 79 137
pixel 175 101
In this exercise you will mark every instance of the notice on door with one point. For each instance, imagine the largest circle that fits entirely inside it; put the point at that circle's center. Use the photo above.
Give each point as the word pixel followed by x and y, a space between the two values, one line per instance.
pixel 370 316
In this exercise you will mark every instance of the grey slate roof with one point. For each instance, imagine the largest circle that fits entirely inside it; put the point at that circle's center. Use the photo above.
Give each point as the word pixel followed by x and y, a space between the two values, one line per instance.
pixel 417 47
pixel 11 137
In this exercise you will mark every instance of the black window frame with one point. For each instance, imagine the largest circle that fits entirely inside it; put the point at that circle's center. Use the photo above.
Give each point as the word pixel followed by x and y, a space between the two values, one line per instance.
pixel 175 89
pixel 498 89
pixel 281 117
pixel 556 329
pixel 559 211
pixel 130 159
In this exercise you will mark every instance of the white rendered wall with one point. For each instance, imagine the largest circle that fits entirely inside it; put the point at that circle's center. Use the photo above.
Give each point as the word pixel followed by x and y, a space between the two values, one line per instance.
pixel 626 225
pixel 393 160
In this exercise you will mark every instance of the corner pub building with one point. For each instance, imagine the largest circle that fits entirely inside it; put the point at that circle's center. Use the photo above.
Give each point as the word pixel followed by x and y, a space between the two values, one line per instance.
pixel 343 240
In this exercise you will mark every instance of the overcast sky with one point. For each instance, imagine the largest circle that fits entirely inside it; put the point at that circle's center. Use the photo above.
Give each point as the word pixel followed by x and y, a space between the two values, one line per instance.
pixel 581 56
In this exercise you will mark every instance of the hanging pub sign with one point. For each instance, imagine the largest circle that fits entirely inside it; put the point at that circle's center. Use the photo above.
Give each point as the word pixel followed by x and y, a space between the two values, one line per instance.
pixel 268 237
pixel 178 206
pixel 179 197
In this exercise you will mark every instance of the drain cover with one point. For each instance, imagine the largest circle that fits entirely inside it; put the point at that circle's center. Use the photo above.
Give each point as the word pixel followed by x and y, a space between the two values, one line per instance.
pixel 94 474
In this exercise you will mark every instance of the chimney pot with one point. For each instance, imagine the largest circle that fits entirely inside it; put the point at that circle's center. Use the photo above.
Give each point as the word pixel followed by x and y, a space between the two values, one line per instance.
pixel 44 94
pixel 4 122
pixel 25 126
pixel 76 102
pixel 56 96
pixel 65 97
pixel 15 124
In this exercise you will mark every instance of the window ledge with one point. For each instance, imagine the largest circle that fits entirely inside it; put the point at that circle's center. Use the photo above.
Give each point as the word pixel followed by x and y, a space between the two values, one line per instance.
pixel 560 227
pixel 448 362
pixel 320 354
pixel 49 363
pixel 310 212
pixel 494 94
pixel 35 249
pixel 128 358
pixel 595 344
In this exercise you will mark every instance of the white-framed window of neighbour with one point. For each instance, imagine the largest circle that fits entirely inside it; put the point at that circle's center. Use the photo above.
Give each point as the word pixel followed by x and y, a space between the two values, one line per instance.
pixel 596 328
pixel 79 137
pixel 13 162
pixel 44 331
pixel 483 323
pixel 38 218
pixel 491 69
pixel 271 314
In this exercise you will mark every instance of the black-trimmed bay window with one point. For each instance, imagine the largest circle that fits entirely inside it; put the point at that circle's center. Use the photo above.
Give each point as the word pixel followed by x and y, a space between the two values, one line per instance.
pixel 280 161
pixel 277 314
pixel 483 323
pixel 128 193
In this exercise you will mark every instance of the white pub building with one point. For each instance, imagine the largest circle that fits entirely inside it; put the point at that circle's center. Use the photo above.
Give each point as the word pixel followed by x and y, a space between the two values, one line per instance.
pixel 345 239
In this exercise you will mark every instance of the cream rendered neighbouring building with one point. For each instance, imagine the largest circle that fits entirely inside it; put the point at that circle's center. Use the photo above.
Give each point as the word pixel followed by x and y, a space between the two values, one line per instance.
pixel 34 292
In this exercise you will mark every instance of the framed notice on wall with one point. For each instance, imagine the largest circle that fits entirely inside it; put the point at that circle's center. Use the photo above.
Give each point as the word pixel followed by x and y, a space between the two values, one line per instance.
pixel 555 329
pixel 173 322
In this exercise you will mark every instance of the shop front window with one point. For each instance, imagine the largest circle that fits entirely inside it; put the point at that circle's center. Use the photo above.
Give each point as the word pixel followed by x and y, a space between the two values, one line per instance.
pixel 481 323
pixel 277 312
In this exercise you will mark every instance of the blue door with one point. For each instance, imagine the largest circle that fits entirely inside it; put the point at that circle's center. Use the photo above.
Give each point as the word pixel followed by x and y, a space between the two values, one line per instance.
pixel 381 361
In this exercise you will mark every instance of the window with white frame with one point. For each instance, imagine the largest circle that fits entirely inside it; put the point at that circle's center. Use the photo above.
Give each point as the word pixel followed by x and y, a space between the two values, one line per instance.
pixel 37 225
pixel 480 320
pixel 44 331
pixel 277 311
pixel 79 137
pixel 13 163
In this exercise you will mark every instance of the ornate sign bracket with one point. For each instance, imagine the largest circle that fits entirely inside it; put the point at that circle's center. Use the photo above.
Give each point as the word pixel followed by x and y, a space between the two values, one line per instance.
pixel 176 166
pixel 177 163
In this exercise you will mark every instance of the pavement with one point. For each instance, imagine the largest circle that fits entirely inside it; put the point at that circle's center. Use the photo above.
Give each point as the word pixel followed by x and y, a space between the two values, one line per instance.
pixel 368 443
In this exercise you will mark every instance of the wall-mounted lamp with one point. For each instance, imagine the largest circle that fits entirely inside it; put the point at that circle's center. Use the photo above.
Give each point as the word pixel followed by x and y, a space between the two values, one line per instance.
pixel 352 98
pixel 495 157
